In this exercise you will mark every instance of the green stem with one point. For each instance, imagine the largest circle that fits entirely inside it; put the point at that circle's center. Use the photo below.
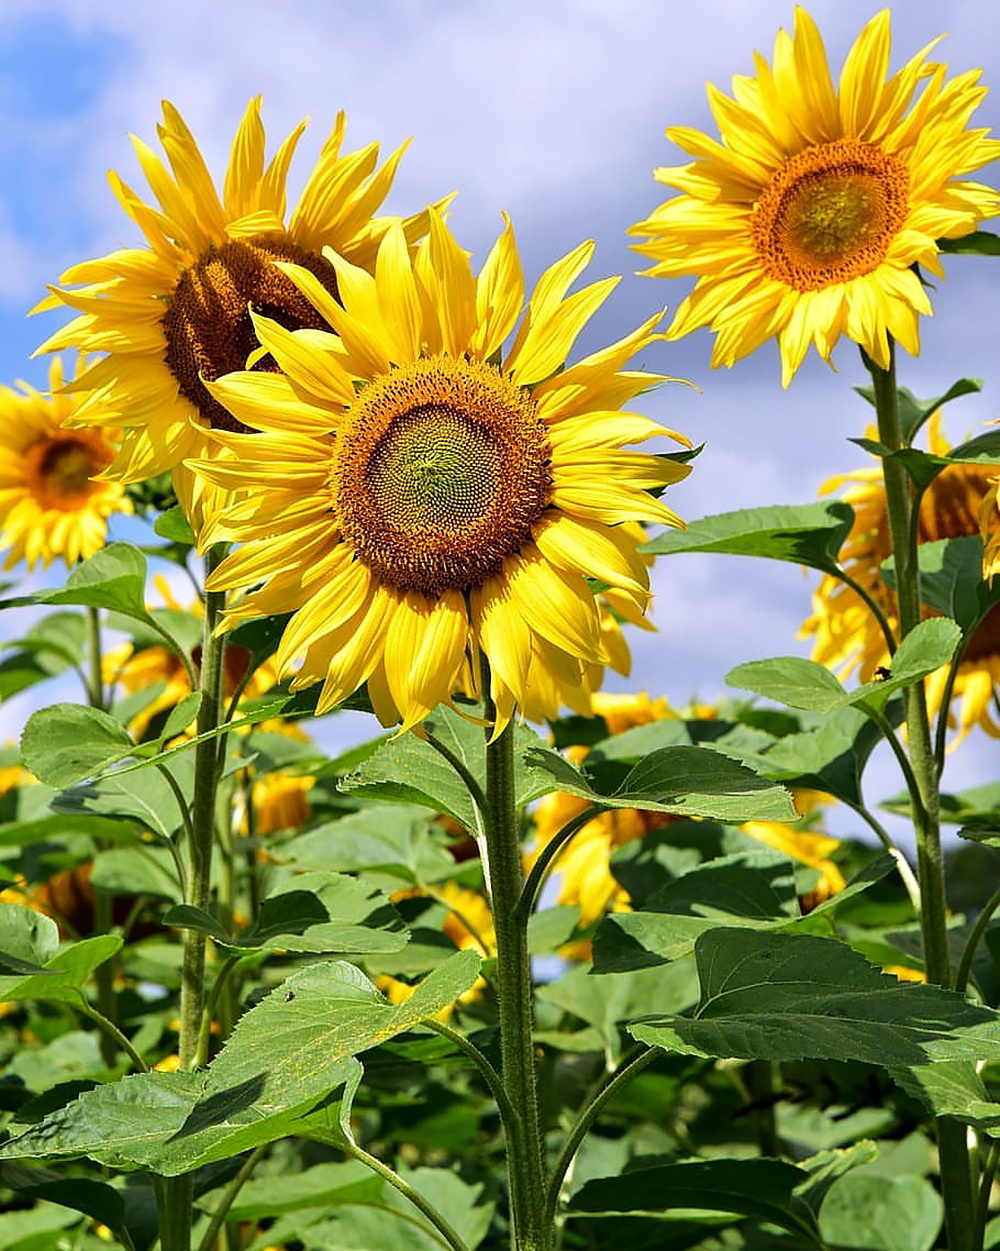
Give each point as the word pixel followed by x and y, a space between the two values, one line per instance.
pixel 885 838
pixel 972 942
pixel 104 976
pixel 460 767
pixel 956 1172
pixel 228 1198
pixel 445 1233
pixel 983 1200
pixel 118 1039
pixel 546 856
pixel 489 1073
pixel 174 1194
pixel 583 1122
pixel 530 1226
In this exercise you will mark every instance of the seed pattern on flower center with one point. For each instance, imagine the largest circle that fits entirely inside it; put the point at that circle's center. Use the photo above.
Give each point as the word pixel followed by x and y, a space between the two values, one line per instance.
pixel 441 472
pixel 207 324
pixel 829 214
pixel 60 470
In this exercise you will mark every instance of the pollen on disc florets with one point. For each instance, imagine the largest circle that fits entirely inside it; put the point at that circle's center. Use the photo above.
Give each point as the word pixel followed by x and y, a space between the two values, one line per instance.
pixel 60 470
pixel 207 324
pixel 830 213
pixel 442 469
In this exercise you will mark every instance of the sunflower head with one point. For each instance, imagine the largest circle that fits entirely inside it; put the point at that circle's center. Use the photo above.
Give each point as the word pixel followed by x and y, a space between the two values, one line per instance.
pixel 809 215
pixel 173 315
pixel 54 500
pixel 419 492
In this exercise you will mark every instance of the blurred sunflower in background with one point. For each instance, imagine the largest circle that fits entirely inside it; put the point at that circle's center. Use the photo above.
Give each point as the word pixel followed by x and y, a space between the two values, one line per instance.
pixel 414 499
pixel 172 315
pixel 807 218
pixel 52 502
pixel 584 867
pixel 846 635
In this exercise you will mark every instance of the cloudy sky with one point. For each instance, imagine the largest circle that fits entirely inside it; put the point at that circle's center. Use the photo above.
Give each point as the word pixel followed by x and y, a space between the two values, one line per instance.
pixel 552 110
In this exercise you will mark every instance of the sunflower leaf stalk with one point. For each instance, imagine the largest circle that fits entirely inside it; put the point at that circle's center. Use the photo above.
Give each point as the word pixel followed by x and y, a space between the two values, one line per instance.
pixel 531 1227
pixel 175 1195
pixel 956 1172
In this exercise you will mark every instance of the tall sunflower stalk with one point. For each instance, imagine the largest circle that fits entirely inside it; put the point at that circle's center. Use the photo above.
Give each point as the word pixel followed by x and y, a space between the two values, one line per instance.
pixel 427 499
pixel 807 219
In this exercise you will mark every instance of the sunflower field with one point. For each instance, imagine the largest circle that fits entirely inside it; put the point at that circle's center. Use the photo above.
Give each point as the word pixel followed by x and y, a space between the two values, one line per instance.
pixel 532 963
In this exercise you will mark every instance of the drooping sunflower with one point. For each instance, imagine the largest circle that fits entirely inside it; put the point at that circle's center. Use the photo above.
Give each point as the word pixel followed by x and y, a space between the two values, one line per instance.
pixel 415 496
pixel 846 634
pixel 584 867
pixel 52 502
pixel 805 219
pixel 173 316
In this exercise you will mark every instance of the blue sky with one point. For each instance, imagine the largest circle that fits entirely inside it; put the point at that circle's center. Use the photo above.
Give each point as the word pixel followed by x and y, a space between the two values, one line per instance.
pixel 553 111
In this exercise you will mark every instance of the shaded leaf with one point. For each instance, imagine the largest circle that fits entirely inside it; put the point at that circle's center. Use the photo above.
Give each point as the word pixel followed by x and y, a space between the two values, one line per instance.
pixel 790 996
pixel 762 1189
pixel 871 1213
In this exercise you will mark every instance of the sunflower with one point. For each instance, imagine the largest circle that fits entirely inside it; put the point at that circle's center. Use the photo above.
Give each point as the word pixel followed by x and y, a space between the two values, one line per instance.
pixel 416 497
pixel 584 867
pixel 989 526
pixel 52 503
pixel 172 316
pixel 807 218
pixel 846 634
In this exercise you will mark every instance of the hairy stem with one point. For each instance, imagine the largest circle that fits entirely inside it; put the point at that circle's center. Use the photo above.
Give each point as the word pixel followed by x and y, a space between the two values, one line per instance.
pixel 174 1194
pixel 956 1170
pixel 531 1226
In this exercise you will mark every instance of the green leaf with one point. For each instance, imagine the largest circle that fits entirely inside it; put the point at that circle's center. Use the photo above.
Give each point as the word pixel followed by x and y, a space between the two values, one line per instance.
pixel 791 680
pixel 325 913
pixel 976 243
pixel 67 743
pixel 137 871
pixel 688 781
pixel 807 534
pixel 811 687
pixel 46 829
pixel 791 996
pixel 953 1088
pixel 322 1186
pixel 913 412
pixel 762 1189
pixel 64 976
pixel 173 525
pixel 881 1213
pixel 181 716
pixel 951 579
pixel 273 1077
pixel 755 889
pixel 395 842
pixel 80 1194
pixel 144 797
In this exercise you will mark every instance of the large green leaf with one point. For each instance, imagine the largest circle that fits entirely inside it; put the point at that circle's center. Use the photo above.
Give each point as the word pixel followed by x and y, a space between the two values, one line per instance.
pixel 80 1194
pixel 272 1078
pixel 754 889
pixel 811 687
pixel 114 578
pixel 392 842
pixel 951 579
pixel 762 1189
pixel 790 996
pixel 807 534
pixel 144 797
pixel 688 781
pixel 881 1213
pixel 66 743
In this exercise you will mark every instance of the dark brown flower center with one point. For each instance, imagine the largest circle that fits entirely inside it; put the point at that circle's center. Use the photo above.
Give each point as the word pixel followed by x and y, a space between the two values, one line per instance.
pixel 829 214
pixel 207 323
pixel 61 470
pixel 442 470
